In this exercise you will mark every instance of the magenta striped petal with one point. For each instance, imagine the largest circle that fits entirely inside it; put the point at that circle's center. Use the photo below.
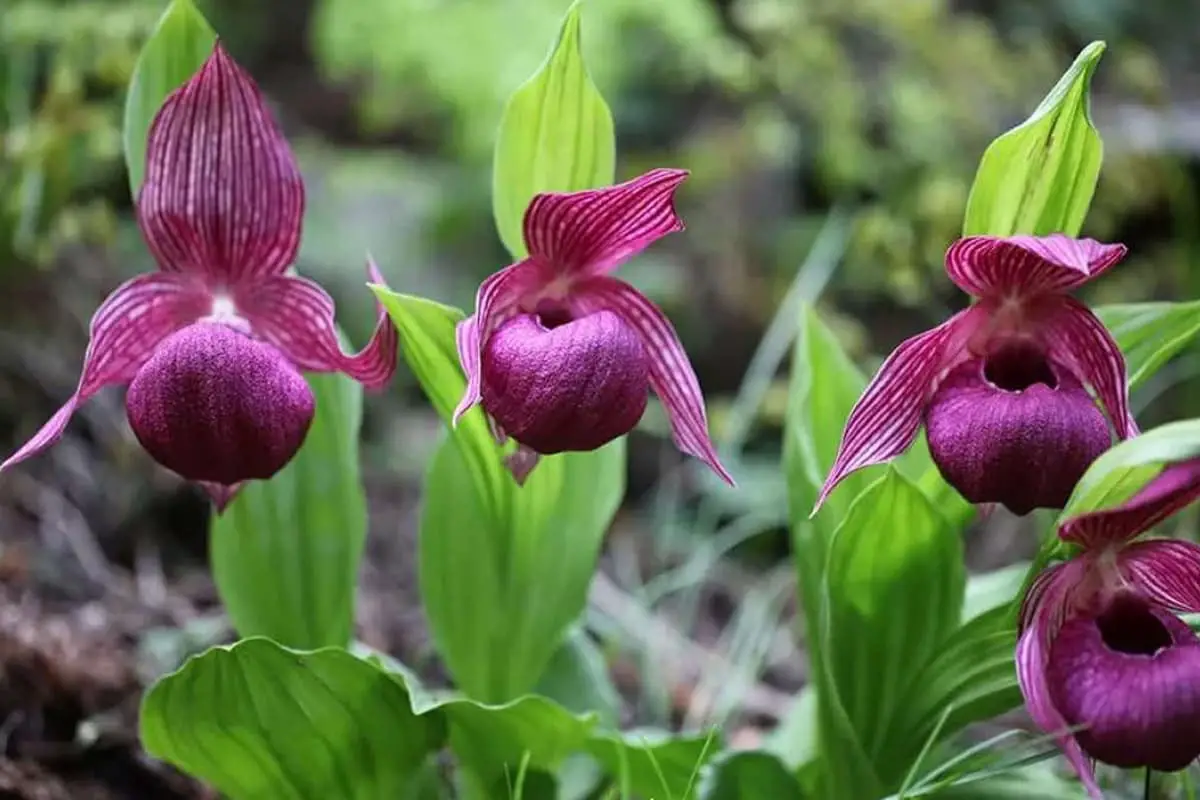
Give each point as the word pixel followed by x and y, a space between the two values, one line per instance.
pixel 1166 570
pixel 496 302
pixel 671 374
pixel 1079 341
pixel 297 316
pixel 885 420
pixel 223 196
pixel 1172 490
pixel 1031 656
pixel 594 231
pixel 125 329
pixel 986 266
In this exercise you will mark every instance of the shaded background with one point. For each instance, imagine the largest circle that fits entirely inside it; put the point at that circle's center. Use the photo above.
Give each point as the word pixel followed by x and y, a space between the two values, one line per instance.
pixel 852 124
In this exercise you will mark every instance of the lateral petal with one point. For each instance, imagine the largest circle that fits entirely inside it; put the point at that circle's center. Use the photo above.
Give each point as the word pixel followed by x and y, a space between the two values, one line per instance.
pixel 124 331
pixel 1031 657
pixel 297 316
pixel 223 197
pixel 1078 340
pixel 592 232
pixel 671 373
pixel 496 301
pixel 886 418
pixel 989 266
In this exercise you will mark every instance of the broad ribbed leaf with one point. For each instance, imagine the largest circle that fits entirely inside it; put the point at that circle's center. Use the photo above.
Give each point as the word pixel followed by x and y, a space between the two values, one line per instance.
pixel 556 136
pixel 261 722
pixel 1039 177
pixel 504 569
pixel 577 678
pixel 1150 334
pixel 179 45
pixel 285 553
pixel 893 590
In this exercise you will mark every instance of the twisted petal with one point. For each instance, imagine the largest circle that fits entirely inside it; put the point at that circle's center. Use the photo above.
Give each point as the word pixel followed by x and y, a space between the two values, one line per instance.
pixel 1031 658
pixel 1079 341
pixel 885 420
pixel 124 332
pixel 1174 488
pixel 223 196
pixel 297 316
pixel 1165 570
pixel 495 302
pixel 593 232
pixel 671 374
pixel 987 266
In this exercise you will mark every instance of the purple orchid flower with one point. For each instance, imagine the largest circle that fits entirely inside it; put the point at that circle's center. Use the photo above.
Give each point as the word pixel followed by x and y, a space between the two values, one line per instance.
pixel 560 354
pixel 212 344
pixel 1101 648
pixel 1002 386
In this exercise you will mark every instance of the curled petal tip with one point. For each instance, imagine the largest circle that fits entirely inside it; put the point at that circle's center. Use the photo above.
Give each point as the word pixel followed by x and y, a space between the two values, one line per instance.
pixel 521 463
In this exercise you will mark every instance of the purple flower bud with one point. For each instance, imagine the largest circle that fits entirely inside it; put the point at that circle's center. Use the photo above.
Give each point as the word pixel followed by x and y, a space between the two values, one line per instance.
pixel 216 406
pixel 1015 429
pixel 572 386
pixel 1131 677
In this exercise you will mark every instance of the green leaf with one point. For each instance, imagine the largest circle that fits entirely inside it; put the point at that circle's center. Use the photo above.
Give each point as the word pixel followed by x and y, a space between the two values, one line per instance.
pixel 746 776
pixel 893 589
pixel 504 569
pixel 260 722
pixel 1120 472
pixel 653 763
pixel 285 553
pixel 825 385
pixel 1150 334
pixel 577 678
pixel 1039 177
pixel 494 740
pixel 970 678
pixel 556 135
pixel 181 42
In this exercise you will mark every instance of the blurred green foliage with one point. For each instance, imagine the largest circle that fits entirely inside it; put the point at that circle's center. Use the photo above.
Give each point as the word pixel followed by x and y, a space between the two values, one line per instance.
pixel 888 104
pixel 63 67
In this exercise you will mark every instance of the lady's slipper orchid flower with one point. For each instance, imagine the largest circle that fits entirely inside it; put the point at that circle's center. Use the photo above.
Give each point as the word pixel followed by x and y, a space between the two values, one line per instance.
pixel 560 354
pixel 1103 661
pixel 1002 386
pixel 212 344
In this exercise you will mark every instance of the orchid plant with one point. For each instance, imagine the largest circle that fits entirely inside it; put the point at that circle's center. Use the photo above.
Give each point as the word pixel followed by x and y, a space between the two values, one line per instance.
pixel 237 381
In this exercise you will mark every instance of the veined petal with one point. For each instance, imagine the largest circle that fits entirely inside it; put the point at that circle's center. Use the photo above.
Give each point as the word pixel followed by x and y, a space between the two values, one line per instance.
pixel 223 196
pixel 593 232
pixel 671 374
pixel 297 316
pixel 1165 570
pixel 1173 489
pixel 988 266
pixel 1031 658
pixel 496 302
pixel 124 331
pixel 885 420
pixel 1078 340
